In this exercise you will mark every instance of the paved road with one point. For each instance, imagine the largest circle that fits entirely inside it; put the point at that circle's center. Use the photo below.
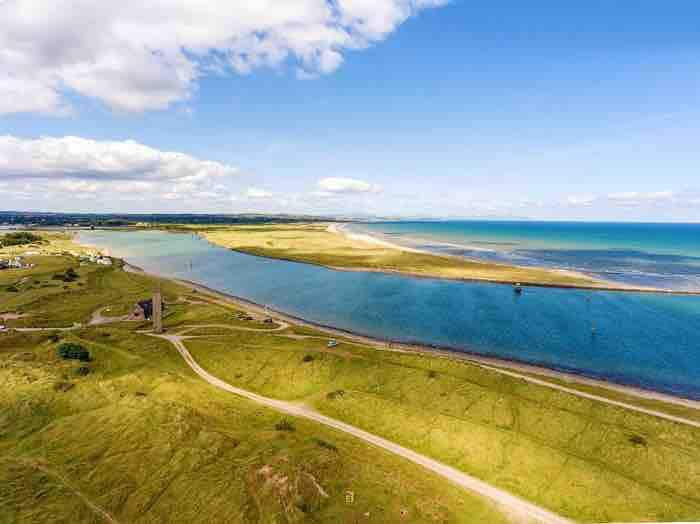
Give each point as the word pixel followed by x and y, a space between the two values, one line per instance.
pixel 515 506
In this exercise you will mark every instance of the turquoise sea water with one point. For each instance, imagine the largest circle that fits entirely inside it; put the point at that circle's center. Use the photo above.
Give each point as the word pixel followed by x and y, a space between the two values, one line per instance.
pixel 658 255
pixel 647 340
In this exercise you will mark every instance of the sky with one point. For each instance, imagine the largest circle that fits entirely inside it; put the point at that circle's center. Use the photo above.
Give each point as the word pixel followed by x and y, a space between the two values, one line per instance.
pixel 398 108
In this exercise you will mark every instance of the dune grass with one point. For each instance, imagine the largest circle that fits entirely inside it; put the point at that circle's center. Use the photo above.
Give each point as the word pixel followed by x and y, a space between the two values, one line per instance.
pixel 50 302
pixel 135 436
pixel 142 438
pixel 314 244
pixel 584 459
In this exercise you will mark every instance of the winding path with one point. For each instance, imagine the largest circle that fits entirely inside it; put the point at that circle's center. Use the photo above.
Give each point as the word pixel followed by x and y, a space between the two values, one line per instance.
pixel 513 505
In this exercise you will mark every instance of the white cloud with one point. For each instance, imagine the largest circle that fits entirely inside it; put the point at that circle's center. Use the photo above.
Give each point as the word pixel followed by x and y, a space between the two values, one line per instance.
pixel 580 200
pixel 78 186
pixel 108 172
pixel 330 186
pixel 254 192
pixel 82 158
pixel 135 55
pixel 635 198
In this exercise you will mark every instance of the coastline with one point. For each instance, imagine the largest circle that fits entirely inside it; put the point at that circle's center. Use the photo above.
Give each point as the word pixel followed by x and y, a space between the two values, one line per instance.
pixel 602 285
pixel 503 365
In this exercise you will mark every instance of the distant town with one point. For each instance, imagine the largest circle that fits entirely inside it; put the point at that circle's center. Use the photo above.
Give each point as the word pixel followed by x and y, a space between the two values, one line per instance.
pixel 10 219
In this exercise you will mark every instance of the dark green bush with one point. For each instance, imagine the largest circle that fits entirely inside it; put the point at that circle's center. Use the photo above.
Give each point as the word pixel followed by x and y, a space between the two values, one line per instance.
pixel 285 425
pixel 19 238
pixel 638 440
pixel 308 358
pixel 325 444
pixel 335 394
pixel 72 351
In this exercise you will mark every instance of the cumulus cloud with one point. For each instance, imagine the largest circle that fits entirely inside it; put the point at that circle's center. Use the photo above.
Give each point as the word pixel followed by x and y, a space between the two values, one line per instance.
pixel 108 173
pixel 332 186
pixel 254 192
pixel 136 56
pixel 82 158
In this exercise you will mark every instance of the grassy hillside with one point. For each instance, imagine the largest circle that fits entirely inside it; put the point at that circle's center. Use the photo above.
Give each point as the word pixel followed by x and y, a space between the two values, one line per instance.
pixel 578 457
pixel 133 436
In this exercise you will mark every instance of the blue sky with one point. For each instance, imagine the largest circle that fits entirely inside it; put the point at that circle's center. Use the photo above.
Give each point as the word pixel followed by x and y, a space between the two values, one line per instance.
pixel 516 109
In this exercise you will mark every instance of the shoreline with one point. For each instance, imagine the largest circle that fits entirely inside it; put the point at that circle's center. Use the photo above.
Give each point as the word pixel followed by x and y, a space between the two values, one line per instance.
pixel 489 362
pixel 603 285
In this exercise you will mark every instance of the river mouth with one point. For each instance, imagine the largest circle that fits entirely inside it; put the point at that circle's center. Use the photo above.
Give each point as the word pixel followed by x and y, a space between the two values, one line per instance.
pixel 649 341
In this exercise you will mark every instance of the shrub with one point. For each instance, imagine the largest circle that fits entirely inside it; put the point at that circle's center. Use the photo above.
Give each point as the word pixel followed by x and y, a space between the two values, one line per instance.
pixel 638 440
pixel 12 289
pixel 432 374
pixel 72 351
pixel 308 358
pixel 19 238
pixel 63 386
pixel 82 371
pixel 327 445
pixel 335 394
pixel 284 425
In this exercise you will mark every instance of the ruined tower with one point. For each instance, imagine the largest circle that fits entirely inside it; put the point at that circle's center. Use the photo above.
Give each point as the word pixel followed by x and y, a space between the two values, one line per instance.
pixel 157 311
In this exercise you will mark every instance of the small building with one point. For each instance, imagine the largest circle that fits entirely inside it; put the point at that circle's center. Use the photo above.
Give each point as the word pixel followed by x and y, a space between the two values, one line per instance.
pixel 143 310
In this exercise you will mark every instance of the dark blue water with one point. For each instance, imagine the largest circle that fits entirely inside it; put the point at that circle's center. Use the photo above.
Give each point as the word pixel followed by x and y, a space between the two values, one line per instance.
pixel 655 255
pixel 646 340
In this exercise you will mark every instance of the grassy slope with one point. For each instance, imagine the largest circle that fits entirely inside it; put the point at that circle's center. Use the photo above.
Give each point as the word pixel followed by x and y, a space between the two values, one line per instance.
pixel 569 454
pixel 49 302
pixel 148 441
pixel 141 434
pixel 660 405
pixel 312 243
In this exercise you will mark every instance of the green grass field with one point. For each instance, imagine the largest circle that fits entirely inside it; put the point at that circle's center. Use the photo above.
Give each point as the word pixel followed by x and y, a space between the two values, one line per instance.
pixel 144 439
pixel 581 458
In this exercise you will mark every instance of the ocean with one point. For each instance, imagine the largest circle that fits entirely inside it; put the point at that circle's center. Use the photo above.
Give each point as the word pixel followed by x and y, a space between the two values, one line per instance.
pixel 649 340
pixel 665 256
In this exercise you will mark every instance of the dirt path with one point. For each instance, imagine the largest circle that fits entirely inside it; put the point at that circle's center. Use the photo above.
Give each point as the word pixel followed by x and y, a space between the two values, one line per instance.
pixel 591 396
pixel 515 506
pixel 97 509
pixel 98 319
pixel 494 365
pixel 186 329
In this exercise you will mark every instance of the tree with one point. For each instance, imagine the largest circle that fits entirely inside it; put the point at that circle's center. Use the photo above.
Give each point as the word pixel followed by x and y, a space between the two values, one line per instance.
pixel 73 351
pixel 19 238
